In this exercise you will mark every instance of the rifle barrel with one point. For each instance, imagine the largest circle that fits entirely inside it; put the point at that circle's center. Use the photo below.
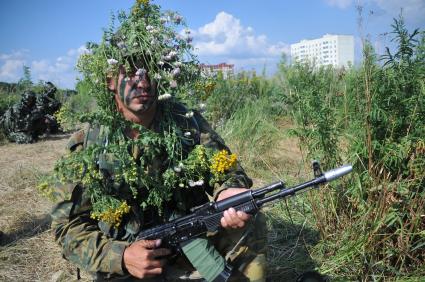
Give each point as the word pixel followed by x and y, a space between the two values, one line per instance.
pixel 326 177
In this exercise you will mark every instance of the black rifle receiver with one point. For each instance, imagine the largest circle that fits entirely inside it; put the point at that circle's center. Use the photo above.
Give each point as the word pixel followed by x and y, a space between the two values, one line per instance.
pixel 206 218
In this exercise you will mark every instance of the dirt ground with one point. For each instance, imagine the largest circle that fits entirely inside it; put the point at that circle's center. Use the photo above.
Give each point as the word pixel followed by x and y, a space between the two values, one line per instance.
pixel 27 249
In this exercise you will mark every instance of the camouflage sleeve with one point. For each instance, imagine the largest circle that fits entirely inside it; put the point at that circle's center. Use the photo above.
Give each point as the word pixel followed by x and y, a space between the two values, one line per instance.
pixel 79 236
pixel 236 177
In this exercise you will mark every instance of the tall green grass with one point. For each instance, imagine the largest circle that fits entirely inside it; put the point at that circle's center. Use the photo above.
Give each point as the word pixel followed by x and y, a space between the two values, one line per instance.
pixel 372 223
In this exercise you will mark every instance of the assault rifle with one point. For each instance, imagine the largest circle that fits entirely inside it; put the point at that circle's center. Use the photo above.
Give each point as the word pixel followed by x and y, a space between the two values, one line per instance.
pixel 206 218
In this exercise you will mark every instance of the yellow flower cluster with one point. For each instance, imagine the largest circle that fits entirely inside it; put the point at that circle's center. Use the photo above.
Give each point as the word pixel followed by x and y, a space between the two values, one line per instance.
pixel 91 175
pixel 46 189
pixel 112 216
pixel 60 115
pixel 143 2
pixel 130 175
pixel 209 87
pixel 201 156
pixel 222 161
pixel 136 8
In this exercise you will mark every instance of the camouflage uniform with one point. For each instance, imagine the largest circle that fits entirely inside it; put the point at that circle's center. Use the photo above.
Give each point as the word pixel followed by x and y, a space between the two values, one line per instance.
pixel 98 248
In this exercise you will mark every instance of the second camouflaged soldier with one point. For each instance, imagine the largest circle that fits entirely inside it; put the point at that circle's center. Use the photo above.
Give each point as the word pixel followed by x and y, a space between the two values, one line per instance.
pixel 32 116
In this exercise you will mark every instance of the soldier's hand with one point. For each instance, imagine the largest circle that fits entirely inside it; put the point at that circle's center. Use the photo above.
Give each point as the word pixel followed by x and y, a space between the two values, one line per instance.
pixel 232 218
pixel 144 258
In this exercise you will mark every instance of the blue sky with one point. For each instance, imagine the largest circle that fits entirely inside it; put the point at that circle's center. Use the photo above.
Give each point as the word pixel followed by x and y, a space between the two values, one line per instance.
pixel 48 35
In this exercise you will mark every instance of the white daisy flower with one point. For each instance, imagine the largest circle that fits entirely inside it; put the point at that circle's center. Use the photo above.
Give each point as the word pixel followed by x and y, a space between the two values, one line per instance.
pixel 173 84
pixel 112 61
pixel 177 169
pixel 175 72
pixel 187 134
pixel 192 183
pixel 157 76
pixel 189 114
pixel 199 182
pixel 177 19
pixel 202 106
pixel 164 97
pixel 140 72
pixel 121 45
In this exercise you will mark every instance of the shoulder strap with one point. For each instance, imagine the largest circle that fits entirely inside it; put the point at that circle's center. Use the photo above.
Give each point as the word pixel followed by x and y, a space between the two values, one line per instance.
pixel 92 135
pixel 83 138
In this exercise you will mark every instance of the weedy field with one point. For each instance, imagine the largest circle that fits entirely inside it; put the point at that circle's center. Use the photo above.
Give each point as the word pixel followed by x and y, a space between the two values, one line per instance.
pixel 368 226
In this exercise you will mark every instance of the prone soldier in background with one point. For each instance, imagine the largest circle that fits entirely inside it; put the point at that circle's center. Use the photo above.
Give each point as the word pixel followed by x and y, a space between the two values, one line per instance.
pixel 32 116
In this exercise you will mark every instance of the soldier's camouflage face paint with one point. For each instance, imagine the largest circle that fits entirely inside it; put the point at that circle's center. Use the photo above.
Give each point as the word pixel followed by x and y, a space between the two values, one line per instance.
pixel 137 93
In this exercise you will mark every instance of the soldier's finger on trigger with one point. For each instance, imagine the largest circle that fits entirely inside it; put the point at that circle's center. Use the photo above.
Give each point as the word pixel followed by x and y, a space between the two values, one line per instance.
pixel 243 216
pixel 160 252
pixel 154 264
pixel 232 215
pixel 223 222
pixel 148 244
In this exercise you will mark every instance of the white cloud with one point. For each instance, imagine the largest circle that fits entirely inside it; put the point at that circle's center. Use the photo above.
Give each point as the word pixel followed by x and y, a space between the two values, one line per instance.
pixel 11 65
pixel 11 69
pixel 60 71
pixel 413 10
pixel 226 36
pixel 339 3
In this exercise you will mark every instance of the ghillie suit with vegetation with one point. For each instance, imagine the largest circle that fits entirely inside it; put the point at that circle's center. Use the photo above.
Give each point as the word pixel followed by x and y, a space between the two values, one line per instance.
pixel 117 185
pixel 146 40
pixel 32 116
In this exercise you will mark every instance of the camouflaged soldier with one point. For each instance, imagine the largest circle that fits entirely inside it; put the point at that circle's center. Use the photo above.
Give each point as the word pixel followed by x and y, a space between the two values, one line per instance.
pixel 110 253
pixel 46 106
pixel 31 117
pixel 143 63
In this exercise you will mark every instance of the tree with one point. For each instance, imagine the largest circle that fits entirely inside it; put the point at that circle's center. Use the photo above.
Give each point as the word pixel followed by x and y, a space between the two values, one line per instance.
pixel 25 82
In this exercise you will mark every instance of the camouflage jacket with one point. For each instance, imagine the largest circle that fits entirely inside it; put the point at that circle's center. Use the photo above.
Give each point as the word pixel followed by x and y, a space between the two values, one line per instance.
pixel 96 246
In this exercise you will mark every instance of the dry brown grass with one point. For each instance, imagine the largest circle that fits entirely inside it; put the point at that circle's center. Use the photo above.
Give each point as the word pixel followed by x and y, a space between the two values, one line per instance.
pixel 27 249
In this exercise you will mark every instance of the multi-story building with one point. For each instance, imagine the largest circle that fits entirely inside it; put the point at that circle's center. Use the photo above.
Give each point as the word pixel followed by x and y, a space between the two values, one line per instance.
pixel 212 70
pixel 335 50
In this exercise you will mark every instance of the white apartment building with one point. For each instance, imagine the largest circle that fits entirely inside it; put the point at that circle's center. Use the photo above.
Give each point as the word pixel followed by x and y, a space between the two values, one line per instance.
pixel 336 50
pixel 226 70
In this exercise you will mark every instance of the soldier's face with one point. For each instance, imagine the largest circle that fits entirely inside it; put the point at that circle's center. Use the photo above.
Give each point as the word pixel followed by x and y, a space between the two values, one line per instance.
pixel 136 92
